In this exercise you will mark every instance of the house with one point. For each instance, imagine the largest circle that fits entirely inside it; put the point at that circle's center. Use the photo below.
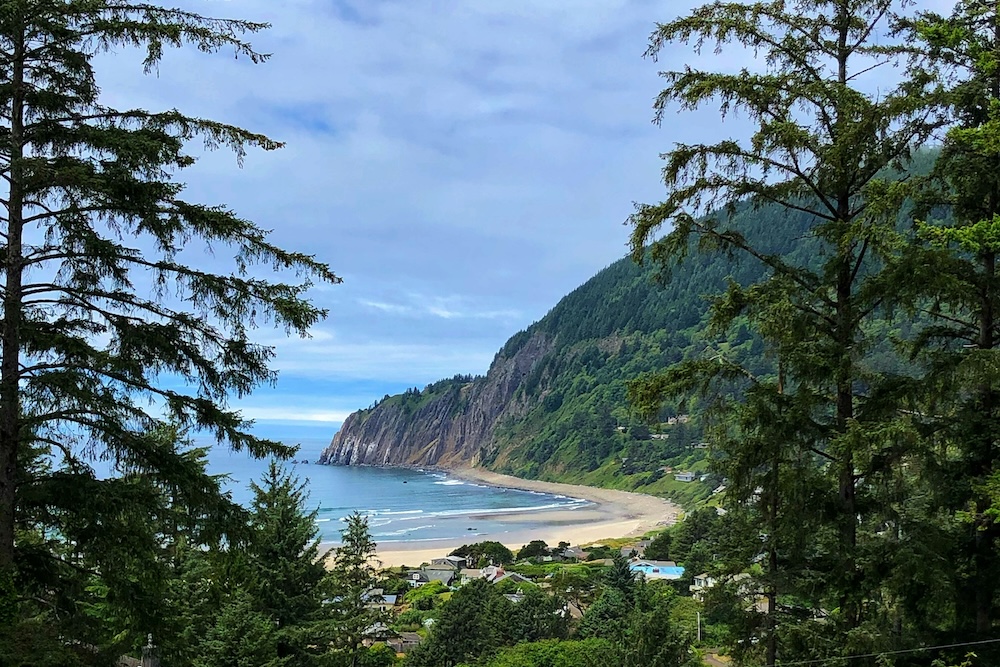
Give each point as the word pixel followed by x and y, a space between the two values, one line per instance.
pixel 701 582
pixel 377 633
pixel 574 552
pixel 511 576
pixel 374 599
pixel 428 573
pixel 515 597
pixel 684 477
pixel 465 575
pixel 404 642
pixel 455 562
pixel 638 549
pixel 417 578
pixel 444 576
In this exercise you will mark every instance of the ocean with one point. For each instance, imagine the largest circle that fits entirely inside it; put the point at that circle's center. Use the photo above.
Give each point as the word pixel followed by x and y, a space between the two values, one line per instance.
pixel 402 505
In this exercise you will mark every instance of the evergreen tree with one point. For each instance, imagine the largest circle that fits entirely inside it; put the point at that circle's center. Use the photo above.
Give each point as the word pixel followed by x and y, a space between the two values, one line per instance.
pixel 533 549
pixel 354 578
pixel 488 552
pixel 652 637
pixel 466 628
pixel 535 617
pixel 621 577
pixel 94 569
pixel 823 151
pixel 242 636
pixel 607 618
pixel 89 323
pixel 281 569
pixel 660 547
pixel 955 283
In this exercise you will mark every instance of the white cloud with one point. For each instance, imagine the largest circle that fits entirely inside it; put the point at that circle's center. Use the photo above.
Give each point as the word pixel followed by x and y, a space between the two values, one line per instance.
pixel 293 414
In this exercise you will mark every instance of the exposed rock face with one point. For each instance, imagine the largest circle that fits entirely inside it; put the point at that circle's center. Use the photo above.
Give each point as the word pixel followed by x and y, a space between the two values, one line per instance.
pixel 451 428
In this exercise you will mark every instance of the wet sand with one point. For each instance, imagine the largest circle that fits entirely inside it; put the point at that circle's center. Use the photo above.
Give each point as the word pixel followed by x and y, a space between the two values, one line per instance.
pixel 613 514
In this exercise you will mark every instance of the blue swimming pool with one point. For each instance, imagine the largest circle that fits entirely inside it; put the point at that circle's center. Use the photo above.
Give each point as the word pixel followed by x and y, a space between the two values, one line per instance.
pixel 657 571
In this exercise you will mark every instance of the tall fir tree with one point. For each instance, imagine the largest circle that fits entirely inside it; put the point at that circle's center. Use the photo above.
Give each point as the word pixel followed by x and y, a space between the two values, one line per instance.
pixel 825 152
pixel 282 570
pixel 353 588
pixel 96 306
pixel 956 286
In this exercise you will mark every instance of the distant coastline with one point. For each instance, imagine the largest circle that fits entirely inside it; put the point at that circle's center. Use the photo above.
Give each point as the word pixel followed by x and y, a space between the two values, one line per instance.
pixel 609 514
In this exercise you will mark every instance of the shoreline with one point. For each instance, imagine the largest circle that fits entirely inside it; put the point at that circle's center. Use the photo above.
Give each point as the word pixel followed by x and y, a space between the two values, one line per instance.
pixel 611 514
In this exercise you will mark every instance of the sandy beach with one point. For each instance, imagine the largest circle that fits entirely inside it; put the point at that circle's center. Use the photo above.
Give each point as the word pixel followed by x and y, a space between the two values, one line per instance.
pixel 613 514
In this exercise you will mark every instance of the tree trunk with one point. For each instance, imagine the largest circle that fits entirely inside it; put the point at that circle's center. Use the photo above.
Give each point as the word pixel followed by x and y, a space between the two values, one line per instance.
pixel 10 342
pixel 844 414
pixel 984 556
pixel 771 645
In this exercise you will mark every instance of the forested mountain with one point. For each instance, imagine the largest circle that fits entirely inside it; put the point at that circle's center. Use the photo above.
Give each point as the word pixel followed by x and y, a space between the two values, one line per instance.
pixel 552 405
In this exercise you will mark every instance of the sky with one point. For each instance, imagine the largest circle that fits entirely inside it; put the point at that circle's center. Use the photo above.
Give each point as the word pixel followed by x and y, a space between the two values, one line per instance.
pixel 461 165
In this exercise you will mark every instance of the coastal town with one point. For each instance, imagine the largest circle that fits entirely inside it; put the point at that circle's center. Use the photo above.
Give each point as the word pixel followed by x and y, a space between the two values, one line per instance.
pixel 410 595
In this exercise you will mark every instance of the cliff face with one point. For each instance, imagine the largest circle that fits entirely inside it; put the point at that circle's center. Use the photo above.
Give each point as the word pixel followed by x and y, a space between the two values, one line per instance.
pixel 449 426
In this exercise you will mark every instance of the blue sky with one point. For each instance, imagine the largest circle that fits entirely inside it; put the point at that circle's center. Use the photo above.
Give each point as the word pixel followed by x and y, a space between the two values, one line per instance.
pixel 462 165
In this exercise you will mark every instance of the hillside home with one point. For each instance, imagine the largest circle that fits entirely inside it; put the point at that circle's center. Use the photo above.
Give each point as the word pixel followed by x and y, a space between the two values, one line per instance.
pixel 455 562
pixel 444 575
pixel 574 552
pixel 404 642
pixel 375 599
pixel 701 582
pixel 511 576
pixel 684 477
pixel 377 633
pixel 465 575
pixel 416 578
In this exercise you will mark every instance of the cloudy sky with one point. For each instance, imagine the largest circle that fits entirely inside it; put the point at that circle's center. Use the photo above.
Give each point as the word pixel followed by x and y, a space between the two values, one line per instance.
pixel 462 165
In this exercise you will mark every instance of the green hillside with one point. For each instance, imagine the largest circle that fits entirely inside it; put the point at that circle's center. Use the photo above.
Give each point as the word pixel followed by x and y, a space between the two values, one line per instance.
pixel 621 323
pixel 567 418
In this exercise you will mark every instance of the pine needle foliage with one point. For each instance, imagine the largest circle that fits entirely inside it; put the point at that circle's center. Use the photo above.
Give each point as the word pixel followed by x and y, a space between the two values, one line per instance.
pixel 97 306
pixel 828 149
pixel 955 283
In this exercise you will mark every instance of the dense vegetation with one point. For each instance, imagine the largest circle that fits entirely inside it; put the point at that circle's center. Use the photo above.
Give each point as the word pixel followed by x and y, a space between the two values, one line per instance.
pixel 842 369
pixel 111 346
pixel 618 325
pixel 860 495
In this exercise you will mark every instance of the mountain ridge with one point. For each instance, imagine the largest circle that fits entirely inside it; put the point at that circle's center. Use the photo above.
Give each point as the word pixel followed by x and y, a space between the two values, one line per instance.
pixel 552 405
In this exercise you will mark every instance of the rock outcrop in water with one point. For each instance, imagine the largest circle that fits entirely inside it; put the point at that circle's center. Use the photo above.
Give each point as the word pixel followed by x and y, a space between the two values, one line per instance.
pixel 450 423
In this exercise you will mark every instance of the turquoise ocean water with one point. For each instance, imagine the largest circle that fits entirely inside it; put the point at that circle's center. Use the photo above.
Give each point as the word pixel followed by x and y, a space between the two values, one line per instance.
pixel 402 505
